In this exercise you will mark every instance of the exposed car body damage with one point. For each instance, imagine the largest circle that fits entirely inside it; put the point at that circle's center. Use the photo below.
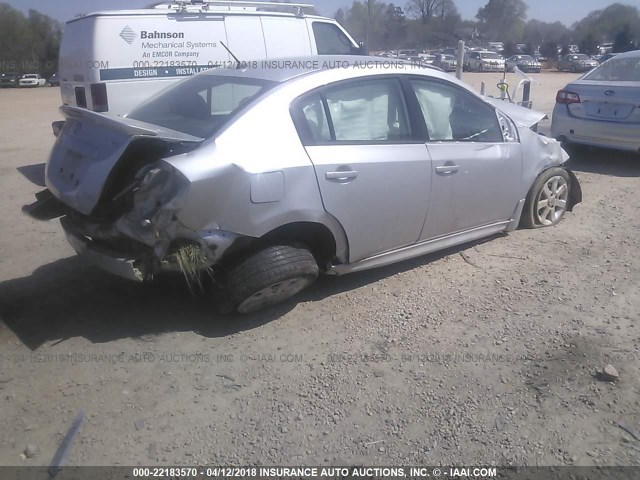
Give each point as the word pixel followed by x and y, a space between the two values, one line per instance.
pixel 521 115
pixel 265 191
pixel 123 203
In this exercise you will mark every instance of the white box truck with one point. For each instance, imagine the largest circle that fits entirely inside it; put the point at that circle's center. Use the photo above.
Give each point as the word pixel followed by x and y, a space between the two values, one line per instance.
pixel 111 61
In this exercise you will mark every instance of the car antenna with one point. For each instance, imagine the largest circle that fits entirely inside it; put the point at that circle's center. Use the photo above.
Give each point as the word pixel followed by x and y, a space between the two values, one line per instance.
pixel 231 53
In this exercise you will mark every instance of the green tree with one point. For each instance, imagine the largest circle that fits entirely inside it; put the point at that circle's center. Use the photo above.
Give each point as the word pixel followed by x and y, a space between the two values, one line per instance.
pixel 547 36
pixel 362 25
pixel 503 20
pixel 589 44
pixel 395 23
pixel 29 44
pixel 433 24
pixel 604 25
pixel 623 40
pixel 424 10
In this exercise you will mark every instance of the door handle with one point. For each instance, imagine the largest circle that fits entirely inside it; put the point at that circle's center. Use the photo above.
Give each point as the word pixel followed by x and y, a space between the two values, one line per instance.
pixel 447 169
pixel 341 175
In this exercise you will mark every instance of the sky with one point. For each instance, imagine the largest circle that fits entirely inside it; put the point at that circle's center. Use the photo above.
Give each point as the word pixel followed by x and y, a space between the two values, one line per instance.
pixel 566 11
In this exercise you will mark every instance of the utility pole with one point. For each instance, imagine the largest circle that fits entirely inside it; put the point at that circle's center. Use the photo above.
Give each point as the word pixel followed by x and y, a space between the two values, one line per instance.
pixel 368 23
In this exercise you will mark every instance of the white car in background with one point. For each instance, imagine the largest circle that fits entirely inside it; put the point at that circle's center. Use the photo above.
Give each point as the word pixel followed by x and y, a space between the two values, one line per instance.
pixel 602 108
pixel 32 80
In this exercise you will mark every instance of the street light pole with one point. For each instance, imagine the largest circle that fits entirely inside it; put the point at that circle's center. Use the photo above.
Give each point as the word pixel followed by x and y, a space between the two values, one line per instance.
pixel 368 22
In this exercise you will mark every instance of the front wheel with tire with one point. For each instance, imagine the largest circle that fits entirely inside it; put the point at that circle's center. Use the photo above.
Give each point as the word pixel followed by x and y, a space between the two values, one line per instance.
pixel 547 201
pixel 271 276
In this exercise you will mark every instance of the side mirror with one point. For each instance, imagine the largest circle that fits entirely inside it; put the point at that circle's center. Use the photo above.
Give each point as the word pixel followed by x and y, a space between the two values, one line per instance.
pixel 360 49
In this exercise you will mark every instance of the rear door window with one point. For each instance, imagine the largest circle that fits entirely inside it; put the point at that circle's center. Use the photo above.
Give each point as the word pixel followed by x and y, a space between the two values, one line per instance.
pixel 363 111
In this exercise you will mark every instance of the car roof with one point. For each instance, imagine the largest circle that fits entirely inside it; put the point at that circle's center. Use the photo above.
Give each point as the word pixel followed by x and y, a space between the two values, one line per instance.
pixel 283 69
pixel 163 12
pixel 631 54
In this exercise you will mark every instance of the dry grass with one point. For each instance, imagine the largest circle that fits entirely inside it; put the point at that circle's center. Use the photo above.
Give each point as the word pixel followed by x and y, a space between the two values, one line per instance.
pixel 192 262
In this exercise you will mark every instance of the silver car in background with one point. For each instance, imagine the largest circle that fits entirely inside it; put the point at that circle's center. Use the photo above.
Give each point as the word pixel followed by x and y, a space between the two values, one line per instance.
pixel 525 63
pixel 267 177
pixel 602 108
pixel 576 62
pixel 448 63
pixel 484 61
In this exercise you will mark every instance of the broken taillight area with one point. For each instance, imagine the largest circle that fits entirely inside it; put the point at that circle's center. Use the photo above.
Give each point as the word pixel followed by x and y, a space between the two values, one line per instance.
pixel 135 231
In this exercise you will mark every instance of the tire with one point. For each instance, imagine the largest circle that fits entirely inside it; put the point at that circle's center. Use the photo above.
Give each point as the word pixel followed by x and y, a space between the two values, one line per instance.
pixel 270 276
pixel 547 201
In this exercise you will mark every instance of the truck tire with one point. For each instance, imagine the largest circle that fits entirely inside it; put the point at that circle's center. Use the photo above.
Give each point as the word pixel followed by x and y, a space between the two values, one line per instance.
pixel 271 276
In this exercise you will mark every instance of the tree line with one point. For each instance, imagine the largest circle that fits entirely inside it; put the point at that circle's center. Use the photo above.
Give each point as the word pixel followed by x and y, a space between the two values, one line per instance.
pixel 28 43
pixel 437 23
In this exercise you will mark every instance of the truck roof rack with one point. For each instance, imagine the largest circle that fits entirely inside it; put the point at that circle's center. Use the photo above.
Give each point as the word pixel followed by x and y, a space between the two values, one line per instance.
pixel 205 5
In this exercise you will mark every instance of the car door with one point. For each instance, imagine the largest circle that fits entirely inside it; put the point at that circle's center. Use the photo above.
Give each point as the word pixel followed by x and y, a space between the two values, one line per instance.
pixel 373 174
pixel 475 171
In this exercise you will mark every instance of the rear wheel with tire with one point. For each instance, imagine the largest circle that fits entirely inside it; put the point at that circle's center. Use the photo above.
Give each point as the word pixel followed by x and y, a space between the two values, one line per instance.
pixel 547 200
pixel 271 276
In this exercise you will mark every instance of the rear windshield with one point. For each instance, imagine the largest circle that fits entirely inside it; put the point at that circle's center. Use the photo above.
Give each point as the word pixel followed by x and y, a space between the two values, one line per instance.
pixel 495 56
pixel 202 104
pixel 617 70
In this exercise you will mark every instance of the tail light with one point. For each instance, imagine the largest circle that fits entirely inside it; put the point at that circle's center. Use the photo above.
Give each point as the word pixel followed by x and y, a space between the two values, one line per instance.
pixel 81 97
pixel 564 97
pixel 99 97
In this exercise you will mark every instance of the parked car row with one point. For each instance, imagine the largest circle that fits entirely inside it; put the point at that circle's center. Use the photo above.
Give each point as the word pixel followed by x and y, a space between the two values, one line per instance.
pixel 476 59
pixel 14 80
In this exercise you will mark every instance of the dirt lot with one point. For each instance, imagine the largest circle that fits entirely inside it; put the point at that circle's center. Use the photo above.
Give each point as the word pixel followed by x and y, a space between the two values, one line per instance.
pixel 481 354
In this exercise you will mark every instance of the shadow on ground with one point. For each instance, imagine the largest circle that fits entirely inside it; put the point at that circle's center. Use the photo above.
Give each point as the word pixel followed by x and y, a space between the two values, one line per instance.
pixel 66 299
pixel 604 162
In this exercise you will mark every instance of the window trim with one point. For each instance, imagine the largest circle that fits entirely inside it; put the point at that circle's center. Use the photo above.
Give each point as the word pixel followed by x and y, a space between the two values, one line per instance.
pixel 306 136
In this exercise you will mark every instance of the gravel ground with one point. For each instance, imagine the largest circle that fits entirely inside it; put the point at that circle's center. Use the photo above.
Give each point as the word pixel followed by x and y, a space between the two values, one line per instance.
pixel 483 354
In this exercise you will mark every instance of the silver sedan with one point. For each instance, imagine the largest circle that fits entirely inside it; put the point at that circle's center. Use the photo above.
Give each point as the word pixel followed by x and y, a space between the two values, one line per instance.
pixel 603 107
pixel 525 63
pixel 266 177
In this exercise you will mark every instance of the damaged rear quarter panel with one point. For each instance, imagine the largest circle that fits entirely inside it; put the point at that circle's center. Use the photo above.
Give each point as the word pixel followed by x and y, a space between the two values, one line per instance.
pixel 222 171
